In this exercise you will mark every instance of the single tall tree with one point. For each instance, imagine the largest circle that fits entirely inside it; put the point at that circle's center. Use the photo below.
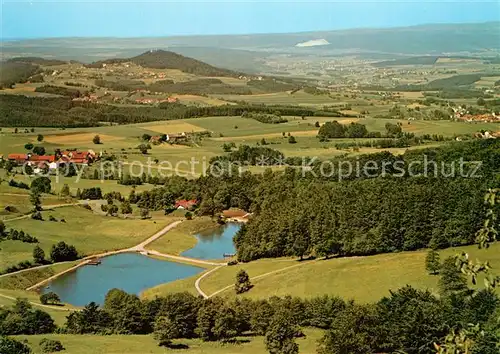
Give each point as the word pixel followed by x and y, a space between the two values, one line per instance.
pixel 35 200
pixel 165 329
pixel 242 284
pixel 452 279
pixel 38 255
pixel 280 335
pixel 432 262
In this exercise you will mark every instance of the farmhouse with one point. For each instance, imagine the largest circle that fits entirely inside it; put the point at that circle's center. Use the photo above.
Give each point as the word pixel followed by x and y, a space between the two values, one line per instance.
pixel 76 157
pixel 18 159
pixel 156 139
pixel 486 118
pixel 174 138
pixel 186 204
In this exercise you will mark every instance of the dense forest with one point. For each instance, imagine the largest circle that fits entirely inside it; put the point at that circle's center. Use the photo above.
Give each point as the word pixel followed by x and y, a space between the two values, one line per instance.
pixel 37 61
pixel 122 85
pixel 58 90
pixel 22 111
pixel 349 213
pixel 14 72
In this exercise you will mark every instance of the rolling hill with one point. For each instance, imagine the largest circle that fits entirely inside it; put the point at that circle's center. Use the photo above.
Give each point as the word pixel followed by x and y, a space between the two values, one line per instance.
pixel 162 59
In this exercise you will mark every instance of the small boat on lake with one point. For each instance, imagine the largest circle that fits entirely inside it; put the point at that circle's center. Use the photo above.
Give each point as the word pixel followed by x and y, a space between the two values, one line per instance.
pixel 94 261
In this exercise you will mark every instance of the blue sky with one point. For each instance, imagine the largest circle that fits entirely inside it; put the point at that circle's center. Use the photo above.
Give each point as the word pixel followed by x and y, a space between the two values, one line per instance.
pixel 84 18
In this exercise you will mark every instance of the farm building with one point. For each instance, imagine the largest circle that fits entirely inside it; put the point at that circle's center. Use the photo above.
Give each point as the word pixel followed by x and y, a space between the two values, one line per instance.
pixel 186 204
pixel 174 138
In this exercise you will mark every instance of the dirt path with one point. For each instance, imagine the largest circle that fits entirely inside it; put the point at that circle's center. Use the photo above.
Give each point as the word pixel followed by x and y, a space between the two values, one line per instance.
pixel 58 308
pixel 141 246
pixel 48 207
pixel 185 259
pixel 197 282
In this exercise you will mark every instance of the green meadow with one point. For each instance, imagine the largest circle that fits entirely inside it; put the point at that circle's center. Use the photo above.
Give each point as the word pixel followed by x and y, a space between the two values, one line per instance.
pixel 365 279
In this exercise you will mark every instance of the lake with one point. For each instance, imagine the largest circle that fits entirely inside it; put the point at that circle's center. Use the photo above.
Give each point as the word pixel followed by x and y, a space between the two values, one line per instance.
pixel 214 243
pixel 131 272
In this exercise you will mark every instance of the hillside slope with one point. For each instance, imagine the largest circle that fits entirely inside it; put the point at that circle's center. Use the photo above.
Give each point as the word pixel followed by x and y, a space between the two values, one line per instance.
pixel 163 59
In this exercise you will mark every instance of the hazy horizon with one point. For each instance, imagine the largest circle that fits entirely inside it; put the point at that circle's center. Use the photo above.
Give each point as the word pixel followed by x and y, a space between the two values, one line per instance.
pixel 84 19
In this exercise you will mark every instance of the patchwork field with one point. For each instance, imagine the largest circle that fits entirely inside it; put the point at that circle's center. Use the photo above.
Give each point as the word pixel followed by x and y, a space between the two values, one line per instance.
pixel 200 100
pixel 284 98
pixel 172 127
pixel 122 141
pixel 78 138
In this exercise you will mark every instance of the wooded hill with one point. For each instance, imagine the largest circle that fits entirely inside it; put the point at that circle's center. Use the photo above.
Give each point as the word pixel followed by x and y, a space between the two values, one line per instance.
pixel 37 61
pixel 162 59
pixel 14 72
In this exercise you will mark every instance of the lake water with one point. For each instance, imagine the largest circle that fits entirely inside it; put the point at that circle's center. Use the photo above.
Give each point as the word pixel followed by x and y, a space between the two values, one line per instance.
pixel 131 272
pixel 214 243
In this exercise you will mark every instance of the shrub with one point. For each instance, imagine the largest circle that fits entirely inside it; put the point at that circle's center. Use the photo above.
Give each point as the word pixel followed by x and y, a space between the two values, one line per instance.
pixel 50 298
pixel 11 346
pixel 61 252
pixel 50 345
pixel 37 216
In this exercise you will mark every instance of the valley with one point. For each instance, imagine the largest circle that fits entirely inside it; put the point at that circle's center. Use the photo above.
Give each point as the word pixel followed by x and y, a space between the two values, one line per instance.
pixel 322 192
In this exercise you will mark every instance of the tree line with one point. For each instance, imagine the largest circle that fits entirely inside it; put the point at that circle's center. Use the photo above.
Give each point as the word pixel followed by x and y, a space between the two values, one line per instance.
pixel 407 320
pixel 19 111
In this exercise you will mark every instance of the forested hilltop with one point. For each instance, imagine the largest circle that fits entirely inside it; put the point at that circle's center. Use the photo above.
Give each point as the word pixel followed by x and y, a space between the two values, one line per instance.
pixel 162 59
pixel 297 214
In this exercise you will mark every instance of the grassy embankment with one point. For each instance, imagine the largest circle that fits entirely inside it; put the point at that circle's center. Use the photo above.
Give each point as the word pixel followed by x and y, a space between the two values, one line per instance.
pixel 181 238
pixel 365 279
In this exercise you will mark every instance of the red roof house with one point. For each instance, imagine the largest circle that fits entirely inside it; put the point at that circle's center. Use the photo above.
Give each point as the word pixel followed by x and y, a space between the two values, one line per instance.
pixel 42 158
pixel 185 204
pixel 17 158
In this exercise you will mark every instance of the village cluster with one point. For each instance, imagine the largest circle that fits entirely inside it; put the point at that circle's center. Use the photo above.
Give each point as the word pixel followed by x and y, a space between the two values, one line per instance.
pixel 52 162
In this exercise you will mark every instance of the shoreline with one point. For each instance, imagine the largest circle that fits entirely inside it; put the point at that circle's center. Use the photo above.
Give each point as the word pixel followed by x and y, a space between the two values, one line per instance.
pixel 141 249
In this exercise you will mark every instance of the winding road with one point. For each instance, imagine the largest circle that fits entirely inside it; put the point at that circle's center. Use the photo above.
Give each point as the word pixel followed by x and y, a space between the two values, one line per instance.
pixel 49 207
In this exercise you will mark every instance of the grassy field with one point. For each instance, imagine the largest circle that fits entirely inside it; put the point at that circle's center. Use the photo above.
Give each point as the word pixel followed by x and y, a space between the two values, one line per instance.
pixel 90 344
pixel 88 232
pixel 58 183
pixel 19 199
pixel 284 98
pixel 351 277
pixel 181 238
